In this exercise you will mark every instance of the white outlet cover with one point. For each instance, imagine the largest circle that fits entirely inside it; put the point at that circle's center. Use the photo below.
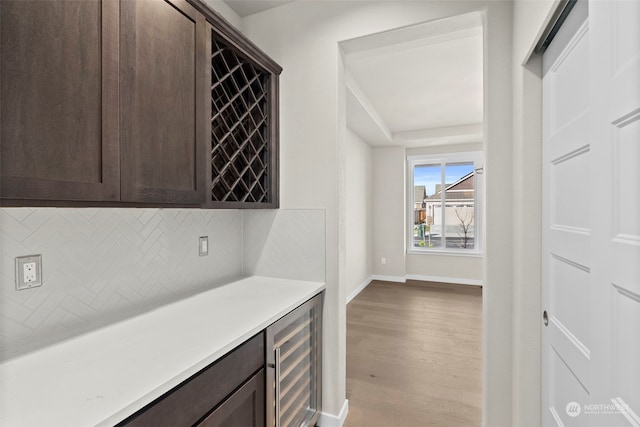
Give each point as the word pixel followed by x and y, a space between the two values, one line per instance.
pixel 203 248
pixel 28 272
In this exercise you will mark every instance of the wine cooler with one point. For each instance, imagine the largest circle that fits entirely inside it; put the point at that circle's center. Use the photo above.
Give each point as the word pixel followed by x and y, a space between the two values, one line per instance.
pixel 294 359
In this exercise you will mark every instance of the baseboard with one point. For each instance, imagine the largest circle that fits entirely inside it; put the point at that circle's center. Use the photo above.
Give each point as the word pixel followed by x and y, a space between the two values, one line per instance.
pixel 403 279
pixel 330 420
pixel 441 279
pixel 359 289
pixel 399 279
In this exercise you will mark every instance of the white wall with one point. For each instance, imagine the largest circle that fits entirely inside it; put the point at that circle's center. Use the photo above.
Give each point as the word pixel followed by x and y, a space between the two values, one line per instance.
pixel 530 18
pixel 226 12
pixel 303 37
pixel 359 212
pixel 389 212
pixel 445 268
pixel 497 294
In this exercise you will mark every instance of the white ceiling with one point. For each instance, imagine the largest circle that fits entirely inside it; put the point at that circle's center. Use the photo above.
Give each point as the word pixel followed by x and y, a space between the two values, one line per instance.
pixel 249 7
pixel 409 86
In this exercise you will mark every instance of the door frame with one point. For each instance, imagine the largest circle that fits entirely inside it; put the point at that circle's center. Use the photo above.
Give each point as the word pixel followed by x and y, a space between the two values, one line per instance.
pixel 527 156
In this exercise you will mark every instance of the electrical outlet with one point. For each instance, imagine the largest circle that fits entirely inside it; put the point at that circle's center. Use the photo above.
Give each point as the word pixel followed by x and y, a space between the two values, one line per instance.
pixel 28 272
pixel 204 246
pixel 383 261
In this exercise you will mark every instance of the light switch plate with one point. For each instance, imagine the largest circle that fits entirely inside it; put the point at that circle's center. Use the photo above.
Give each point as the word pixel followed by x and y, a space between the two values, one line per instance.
pixel 204 246
pixel 28 272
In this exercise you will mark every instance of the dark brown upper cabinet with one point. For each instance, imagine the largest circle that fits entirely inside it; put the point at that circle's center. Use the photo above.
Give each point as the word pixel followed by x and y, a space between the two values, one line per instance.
pixel 59 100
pixel 162 106
pixel 243 122
pixel 135 101
pixel 243 127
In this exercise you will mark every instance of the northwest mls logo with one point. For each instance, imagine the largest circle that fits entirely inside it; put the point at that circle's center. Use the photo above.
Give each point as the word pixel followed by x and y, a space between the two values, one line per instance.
pixel 573 409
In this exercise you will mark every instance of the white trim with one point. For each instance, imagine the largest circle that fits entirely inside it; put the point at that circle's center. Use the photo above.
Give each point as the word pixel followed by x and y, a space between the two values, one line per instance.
pixel 472 132
pixel 367 105
pixel 403 279
pixel 330 420
pixel 477 158
pixel 399 279
pixel 359 289
pixel 442 279
pixel 413 34
pixel 447 252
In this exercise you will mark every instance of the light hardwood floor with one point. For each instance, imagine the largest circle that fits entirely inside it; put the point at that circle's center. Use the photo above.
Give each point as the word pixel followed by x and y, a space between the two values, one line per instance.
pixel 414 355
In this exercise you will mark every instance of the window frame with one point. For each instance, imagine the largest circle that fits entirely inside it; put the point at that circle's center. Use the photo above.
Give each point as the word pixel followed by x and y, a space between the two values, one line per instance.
pixel 475 157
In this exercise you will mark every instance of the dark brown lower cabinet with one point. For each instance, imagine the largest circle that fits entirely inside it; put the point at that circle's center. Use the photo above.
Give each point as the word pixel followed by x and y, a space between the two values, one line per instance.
pixel 244 408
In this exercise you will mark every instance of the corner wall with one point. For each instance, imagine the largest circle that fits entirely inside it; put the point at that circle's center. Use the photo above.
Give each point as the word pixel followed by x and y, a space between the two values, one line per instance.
pixel 359 212
pixel 389 213
pixel 530 19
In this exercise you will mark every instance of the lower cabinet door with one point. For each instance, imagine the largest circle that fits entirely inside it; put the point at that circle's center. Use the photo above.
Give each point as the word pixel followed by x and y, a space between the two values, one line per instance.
pixel 244 408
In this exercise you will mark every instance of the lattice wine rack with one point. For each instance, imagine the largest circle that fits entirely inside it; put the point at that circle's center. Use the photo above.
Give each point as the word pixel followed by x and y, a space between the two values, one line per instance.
pixel 241 148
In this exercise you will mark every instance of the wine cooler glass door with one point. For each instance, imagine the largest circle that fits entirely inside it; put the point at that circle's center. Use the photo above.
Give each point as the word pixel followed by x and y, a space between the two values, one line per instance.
pixel 296 355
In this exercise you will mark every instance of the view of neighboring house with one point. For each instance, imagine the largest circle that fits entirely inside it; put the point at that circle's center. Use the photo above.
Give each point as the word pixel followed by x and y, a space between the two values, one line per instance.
pixel 458 216
pixel 419 196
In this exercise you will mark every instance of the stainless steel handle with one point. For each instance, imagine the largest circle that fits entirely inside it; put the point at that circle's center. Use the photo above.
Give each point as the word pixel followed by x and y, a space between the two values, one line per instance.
pixel 277 350
pixel 545 318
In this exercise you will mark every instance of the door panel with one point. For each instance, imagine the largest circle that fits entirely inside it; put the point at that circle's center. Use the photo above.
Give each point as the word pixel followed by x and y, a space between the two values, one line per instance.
pixel 570 301
pixel 566 223
pixel 626 181
pixel 626 342
pixel 244 408
pixel 570 197
pixel 615 96
pixel 567 390
pixel 591 218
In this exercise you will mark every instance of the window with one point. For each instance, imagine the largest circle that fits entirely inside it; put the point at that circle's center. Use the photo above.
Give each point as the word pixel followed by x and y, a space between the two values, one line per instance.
pixel 444 203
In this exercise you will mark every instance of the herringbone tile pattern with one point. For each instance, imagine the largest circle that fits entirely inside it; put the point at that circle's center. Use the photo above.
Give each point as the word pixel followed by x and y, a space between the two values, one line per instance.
pixel 103 265
pixel 100 265
pixel 287 243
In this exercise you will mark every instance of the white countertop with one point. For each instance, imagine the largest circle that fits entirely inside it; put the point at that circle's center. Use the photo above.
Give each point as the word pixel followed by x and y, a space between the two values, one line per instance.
pixel 104 376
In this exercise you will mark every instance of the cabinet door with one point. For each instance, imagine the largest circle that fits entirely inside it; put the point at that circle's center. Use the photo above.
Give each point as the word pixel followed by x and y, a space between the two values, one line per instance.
pixel 244 408
pixel 59 100
pixel 162 72
pixel 243 128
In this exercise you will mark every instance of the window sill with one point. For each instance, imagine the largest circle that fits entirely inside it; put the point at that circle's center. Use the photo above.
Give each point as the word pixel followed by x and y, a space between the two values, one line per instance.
pixel 472 254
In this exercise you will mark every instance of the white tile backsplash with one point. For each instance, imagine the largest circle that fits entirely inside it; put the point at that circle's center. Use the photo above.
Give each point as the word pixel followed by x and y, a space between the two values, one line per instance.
pixel 286 243
pixel 101 265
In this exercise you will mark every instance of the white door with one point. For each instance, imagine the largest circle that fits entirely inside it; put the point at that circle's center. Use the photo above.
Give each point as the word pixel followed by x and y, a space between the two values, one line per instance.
pixel 566 258
pixel 615 133
pixel 591 218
